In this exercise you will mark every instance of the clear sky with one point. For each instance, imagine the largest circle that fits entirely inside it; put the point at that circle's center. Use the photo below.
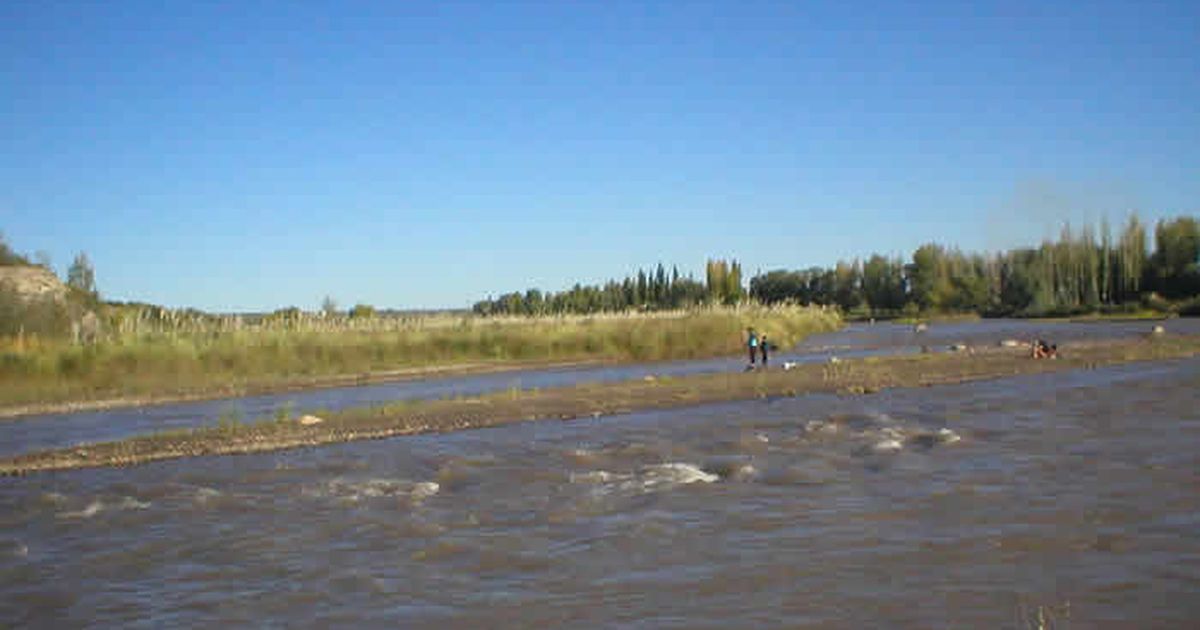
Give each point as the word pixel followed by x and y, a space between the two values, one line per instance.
pixel 253 155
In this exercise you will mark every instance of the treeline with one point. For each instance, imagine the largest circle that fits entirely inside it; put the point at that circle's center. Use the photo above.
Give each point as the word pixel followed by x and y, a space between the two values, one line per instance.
pixel 647 290
pixel 1082 272
pixel 1086 271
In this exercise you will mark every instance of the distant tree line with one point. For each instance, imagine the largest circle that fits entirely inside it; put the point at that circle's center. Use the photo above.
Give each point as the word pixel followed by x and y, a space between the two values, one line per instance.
pixel 1080 272
pixel 1089 270
pixel 656 289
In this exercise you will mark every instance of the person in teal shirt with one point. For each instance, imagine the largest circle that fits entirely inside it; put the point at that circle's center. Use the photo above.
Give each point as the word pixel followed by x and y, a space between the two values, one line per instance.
pixel 752 345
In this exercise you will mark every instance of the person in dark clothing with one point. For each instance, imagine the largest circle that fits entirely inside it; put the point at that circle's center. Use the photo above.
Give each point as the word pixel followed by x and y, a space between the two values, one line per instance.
pixel 763 347
pixel 1044 350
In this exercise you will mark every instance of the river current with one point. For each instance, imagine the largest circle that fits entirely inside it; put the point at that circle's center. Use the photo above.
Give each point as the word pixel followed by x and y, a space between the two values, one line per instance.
pixel 1070 498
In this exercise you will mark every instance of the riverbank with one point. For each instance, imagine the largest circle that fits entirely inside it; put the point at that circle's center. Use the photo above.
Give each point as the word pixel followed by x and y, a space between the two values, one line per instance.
pixel 959 318
pixel 294 385
pixel 596 400
pixel 45 376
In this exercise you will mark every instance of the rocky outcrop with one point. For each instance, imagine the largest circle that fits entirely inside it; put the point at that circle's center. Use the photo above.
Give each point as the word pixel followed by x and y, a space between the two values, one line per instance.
pixel 33 283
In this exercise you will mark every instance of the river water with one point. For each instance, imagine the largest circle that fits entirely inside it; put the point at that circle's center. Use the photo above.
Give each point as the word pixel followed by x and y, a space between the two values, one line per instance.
pixel 1073 496
pixel 857 340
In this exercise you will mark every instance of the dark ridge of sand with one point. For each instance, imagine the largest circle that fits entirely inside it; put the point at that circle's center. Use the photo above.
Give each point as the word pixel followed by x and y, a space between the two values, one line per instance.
pixel 593 400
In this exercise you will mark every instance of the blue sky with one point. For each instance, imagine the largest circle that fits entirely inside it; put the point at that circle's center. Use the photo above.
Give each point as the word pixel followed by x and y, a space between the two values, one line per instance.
pixel 253 155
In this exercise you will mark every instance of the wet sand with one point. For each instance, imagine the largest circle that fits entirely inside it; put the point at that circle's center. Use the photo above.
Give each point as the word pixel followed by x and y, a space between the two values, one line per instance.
pixel 850 377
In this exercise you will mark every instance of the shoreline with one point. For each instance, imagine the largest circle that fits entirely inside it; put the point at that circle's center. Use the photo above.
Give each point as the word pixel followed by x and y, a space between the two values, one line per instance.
pixel 955 318
pixel 16 412
pixel 159 369
pixel 470 368
pixel 596 400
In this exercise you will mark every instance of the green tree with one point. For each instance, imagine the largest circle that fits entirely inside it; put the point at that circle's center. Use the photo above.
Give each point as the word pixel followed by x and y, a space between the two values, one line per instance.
pixel 1175 265
pixel 715 272
pixel 81 276
pixel 362 311
pixel 847 285
pixel 883 284
pixel 733 291
pixel 927 277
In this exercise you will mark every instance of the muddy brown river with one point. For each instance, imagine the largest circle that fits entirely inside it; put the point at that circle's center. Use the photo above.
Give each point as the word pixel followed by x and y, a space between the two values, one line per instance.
pixel 1070 500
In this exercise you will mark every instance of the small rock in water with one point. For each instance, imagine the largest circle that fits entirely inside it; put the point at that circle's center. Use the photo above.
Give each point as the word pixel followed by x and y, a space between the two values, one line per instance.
pixel 958 347
pixel 1011 343
pixel 788 365
pixel 1158 330
pixel 922 327
pixel 929 440
pixel 834 360
pixel 309 420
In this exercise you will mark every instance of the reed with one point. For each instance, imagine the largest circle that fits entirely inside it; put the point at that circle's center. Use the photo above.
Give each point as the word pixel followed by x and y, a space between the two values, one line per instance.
pixel 280 430
pixel 223 355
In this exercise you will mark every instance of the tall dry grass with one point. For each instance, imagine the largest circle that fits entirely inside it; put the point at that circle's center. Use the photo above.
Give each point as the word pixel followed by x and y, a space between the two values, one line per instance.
pixel 199 358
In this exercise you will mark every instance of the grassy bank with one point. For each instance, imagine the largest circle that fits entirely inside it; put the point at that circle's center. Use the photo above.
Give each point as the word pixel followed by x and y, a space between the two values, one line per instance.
pixel 229 360
pixel 595 400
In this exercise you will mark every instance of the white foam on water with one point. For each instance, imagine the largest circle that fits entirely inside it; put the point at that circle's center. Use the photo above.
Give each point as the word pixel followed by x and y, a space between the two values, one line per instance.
pixel 98 505
pixel 423 490
pixel 593 476
pixel 354 491
pixel 654 478
pixel 879 433
pixel 745 472
pixel 92 509
pixel 130 503
pixel 676 473
pixel 204 495
pixel 887 446
pixel 54 498
pixel 946 436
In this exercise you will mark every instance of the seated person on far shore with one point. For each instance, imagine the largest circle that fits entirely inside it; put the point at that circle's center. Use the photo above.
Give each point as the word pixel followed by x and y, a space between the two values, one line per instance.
pixel 1044 350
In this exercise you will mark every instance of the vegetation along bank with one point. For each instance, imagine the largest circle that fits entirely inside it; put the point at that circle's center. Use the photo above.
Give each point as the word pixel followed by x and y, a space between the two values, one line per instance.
pixel 597 400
